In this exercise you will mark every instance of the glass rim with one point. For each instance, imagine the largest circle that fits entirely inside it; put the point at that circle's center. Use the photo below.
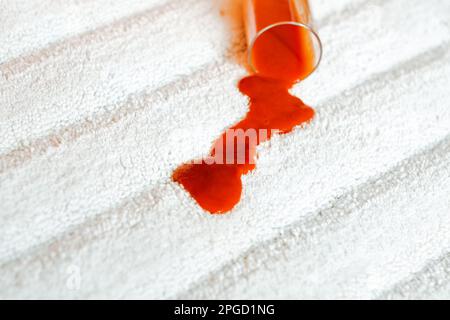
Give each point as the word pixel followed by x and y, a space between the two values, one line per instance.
pixel 274 25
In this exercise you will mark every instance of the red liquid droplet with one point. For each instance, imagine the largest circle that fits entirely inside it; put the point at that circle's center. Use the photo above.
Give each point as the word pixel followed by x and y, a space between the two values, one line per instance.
pixel 217 187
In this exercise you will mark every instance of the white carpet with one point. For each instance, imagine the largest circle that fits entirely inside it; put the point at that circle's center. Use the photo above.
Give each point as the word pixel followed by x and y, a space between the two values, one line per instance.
pixel 100 100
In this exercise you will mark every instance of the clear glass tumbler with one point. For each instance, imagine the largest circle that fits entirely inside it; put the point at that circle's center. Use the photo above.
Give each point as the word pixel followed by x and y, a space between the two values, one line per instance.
pixel 281 40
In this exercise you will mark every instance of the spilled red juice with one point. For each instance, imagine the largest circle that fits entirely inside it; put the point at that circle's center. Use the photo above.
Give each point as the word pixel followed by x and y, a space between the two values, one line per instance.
pixel 282 56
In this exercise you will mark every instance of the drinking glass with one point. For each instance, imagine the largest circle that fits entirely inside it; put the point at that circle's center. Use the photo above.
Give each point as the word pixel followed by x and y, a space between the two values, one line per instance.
pixel 281 39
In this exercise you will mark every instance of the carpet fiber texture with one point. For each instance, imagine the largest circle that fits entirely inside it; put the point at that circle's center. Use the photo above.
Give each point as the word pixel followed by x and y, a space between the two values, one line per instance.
pixel 100 100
